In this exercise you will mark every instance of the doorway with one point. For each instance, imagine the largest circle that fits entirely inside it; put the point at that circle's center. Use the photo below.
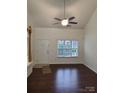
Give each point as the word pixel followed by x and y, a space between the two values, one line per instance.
pixel 42 51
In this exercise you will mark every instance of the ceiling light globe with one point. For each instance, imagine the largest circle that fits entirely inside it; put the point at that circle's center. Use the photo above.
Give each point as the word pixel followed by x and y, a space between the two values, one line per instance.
pixel 64 22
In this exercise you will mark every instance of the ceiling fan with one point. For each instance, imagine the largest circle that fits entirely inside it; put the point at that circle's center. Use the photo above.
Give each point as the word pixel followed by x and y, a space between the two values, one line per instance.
pixel 65 21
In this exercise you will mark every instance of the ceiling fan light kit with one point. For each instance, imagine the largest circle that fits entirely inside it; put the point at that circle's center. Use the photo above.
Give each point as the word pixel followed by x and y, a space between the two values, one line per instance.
pixel 65 21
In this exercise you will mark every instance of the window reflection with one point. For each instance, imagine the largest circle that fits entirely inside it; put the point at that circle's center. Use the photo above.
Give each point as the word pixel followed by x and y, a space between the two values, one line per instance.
pixel 66 79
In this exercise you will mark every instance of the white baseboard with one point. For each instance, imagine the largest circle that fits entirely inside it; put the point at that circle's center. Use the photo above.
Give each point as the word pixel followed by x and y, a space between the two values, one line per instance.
pixel 90 68
pixel 66 63
pixel 35 65
pixel 59 63
pixel 42 64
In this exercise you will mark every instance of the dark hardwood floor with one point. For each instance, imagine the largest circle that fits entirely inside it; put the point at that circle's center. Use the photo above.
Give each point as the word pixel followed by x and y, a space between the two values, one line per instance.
pixel 74 78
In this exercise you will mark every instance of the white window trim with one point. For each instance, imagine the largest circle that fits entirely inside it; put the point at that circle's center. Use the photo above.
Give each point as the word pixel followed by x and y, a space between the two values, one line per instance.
pixel 70 56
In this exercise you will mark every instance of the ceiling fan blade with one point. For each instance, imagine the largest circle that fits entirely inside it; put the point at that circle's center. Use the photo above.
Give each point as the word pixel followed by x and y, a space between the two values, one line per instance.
pixel 68 26
pixel 73 22
pixel 55 23
pixel 57 19
pixel 71 18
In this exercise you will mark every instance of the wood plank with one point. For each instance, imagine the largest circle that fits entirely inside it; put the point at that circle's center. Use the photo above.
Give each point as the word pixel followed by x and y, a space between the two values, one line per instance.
pixel 65 78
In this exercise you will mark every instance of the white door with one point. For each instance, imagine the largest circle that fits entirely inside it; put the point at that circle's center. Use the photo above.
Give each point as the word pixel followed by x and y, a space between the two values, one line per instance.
pixel 42 51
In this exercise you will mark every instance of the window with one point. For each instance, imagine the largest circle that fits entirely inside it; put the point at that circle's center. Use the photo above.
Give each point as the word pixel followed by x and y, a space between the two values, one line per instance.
pixel 67 48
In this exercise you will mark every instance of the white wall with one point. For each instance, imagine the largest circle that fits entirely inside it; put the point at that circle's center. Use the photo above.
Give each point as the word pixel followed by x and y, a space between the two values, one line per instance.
pixel 90 43
pixel 54 34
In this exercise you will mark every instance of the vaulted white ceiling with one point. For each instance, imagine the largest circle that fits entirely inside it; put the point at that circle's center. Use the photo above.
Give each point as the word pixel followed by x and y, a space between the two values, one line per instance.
pixel 41 13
